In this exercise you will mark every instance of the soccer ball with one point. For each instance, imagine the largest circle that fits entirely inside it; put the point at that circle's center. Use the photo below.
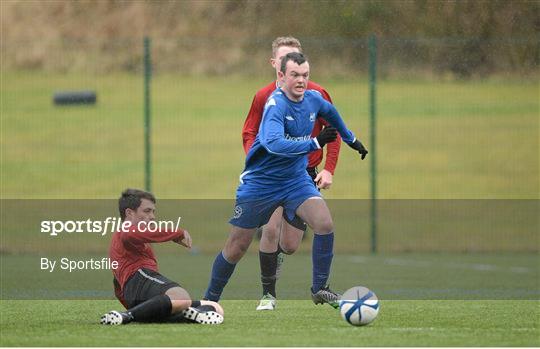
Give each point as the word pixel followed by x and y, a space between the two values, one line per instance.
pixel 359 306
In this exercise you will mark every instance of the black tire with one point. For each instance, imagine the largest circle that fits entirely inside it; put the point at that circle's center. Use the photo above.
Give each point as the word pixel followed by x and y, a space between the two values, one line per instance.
pixel 74 97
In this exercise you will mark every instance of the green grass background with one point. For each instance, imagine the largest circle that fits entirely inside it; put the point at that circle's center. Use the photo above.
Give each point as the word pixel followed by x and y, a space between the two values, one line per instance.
pixel 413 276
pixel 471 140
pixel 436 140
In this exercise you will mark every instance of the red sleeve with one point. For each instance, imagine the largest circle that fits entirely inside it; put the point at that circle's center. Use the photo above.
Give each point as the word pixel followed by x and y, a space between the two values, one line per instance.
pixel 325 95
pixel 332 152
pixel 332 149
pixel 135 236
pixel 252 123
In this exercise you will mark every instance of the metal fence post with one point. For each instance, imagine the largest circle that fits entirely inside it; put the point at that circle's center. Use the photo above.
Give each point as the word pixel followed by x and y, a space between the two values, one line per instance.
pixel 373 136
pixel 147 116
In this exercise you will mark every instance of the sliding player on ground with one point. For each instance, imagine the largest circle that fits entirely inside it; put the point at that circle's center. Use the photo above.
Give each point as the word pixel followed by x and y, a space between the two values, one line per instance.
pixel 147 295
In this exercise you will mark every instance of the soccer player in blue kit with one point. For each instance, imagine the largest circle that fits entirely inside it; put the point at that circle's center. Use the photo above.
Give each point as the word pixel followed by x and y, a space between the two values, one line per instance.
pixel 275 175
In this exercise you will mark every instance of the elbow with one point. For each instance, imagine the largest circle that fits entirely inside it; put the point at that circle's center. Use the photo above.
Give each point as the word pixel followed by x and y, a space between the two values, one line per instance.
pixel 266 144
pixel 247 135
pixel 125 238
pixel 271 146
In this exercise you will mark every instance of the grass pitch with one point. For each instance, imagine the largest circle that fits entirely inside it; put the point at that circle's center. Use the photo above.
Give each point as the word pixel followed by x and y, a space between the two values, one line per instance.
pixel 293 323
pixel 426 300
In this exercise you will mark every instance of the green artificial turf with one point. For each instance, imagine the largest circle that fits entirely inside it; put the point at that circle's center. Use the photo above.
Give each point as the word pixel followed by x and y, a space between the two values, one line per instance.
pixel 293 323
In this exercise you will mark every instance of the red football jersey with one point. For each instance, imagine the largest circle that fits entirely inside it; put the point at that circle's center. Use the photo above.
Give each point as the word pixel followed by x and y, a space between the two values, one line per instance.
pixel 254 117
pixel 132 251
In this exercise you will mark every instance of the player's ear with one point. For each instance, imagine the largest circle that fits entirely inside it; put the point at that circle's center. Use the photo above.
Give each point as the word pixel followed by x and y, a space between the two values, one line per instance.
pixel 273 62
pixel 280 75
pixel 129 213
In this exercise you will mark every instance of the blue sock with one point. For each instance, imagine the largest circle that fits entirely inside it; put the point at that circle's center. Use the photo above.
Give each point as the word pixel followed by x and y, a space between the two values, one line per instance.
pixel 321 255
pixel 221 273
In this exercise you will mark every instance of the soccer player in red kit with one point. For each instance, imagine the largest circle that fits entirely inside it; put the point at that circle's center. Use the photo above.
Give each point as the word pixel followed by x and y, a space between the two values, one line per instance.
pixel 279 236
pixel 147 295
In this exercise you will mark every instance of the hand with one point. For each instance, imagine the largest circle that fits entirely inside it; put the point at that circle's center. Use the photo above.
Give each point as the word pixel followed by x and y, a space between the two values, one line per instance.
pixel 327 135
pixel 323 179
pixel 358 146
pixel 185 241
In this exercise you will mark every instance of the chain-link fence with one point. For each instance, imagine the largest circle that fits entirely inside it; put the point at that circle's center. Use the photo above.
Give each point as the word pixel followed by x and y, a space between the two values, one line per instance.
pixel 457 127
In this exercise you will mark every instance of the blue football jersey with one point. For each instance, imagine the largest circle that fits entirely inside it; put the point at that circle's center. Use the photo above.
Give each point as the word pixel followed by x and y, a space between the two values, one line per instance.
pixel 279 152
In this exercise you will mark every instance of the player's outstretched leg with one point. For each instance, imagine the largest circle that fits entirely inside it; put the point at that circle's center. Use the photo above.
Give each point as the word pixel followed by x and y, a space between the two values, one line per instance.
pixel 201 312
pixel 154 309
pixel 222 271
pixel 225 262
pixel 315 212
pixel 158 309
pixel 322 260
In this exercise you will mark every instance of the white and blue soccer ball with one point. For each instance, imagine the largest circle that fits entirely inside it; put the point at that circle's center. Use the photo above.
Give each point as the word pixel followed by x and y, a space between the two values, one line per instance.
pixel 359 306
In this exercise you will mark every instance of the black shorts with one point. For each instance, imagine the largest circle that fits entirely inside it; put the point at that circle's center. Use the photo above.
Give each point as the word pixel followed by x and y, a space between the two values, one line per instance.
pixel 296 222
pixel 146 284
pixel 313 172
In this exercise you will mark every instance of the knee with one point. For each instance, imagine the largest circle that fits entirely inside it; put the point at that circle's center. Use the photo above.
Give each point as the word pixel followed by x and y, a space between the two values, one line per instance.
pixel 235 249
pixel 324 225
pixel 177 305
pixel 288 250
pixel 242 243
pixel 234 253
pixel 243 246
pixel 270 232
pixel 290 239
pixel 289 247
pixel 178 294
pixel 180 299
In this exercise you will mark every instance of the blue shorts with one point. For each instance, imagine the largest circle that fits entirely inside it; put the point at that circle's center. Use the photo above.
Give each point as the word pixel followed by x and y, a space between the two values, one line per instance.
pixel 255 211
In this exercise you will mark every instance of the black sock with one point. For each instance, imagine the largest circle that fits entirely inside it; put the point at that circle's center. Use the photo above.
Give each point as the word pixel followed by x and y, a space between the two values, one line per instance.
pixel 175 318
pixel 268 263
pixel 154 309
pixel 195 304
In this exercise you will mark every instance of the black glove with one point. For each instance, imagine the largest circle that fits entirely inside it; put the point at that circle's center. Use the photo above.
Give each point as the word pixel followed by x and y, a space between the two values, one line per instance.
pixel 327 135
pixel 358 146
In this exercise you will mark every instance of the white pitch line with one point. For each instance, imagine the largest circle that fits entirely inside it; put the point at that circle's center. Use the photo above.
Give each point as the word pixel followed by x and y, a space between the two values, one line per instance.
pixel 415 329
pixel 524 329
pixel 482 267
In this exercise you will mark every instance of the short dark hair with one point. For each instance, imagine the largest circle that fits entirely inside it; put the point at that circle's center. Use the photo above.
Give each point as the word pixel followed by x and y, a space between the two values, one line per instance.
pixel 296 57
pixel 132 198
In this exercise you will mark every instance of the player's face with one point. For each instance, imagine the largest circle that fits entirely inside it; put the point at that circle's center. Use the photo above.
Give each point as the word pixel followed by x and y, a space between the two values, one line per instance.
pixel 295 80
pixel 146 212
pixel 280 53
